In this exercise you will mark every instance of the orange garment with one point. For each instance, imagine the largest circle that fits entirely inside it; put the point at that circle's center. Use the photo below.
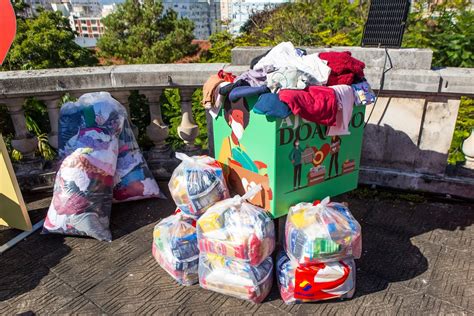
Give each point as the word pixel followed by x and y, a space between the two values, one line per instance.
pixel 208 90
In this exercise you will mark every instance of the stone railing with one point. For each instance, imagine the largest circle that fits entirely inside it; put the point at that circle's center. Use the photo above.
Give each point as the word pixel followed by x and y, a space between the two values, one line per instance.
pixel 150 80
pixel 405 143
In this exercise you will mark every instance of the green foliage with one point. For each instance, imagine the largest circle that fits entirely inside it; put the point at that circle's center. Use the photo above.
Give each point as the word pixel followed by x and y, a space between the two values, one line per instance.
pixel 140 117
pixel 221 44
pixel 448 29
pixel 464 127
pixel 139 33
pixel 171 111
pixel 304 23
pixel 46 41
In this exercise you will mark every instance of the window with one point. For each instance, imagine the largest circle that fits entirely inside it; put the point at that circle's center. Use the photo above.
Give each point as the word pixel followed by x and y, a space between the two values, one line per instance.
pixel 84 28
pixel 86 35
pixel 95 29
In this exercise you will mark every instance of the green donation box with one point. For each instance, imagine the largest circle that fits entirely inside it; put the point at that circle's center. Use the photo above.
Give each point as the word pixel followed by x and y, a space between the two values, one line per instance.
pixel 291 158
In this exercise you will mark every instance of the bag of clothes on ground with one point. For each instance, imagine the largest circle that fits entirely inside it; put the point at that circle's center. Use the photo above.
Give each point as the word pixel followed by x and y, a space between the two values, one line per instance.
pixel 317 282
pixel 236 278
pixel 82 197
pixel 319 87
pixel 322 232
pixel 133 178
pixel 175 247
pixel 237 230
pixel 197 183
pixel 322 239
pixel 236 240
pixel 101 163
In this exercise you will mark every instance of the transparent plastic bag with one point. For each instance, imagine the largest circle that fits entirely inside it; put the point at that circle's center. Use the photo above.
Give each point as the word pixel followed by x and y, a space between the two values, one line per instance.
pixel 320 233
pixel 237 229
pixel 197 183
pixel 235 278
pixel 175 248
pixel 82 197
pixel 316 282
pixel 133 178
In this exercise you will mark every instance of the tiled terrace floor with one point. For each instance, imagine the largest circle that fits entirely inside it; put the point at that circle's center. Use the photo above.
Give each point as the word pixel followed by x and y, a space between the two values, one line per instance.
pixel 418 258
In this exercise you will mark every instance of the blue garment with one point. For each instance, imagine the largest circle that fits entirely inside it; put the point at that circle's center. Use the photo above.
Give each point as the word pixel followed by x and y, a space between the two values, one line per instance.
pixel 241 92
pixel 269 104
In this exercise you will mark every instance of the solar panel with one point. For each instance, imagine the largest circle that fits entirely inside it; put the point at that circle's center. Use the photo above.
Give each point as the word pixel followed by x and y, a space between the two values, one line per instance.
pixel 386 23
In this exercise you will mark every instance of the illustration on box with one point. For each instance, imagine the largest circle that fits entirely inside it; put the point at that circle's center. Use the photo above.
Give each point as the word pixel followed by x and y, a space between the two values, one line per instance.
pixel 310 155
pixel 243 172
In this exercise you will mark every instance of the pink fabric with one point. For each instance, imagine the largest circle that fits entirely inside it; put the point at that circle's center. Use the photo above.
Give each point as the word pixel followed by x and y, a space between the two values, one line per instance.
pixel 315 103
pixel 345 101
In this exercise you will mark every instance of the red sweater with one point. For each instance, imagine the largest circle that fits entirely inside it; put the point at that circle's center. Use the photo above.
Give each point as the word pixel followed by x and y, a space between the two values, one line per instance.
pixel 345 69
pixel 315 103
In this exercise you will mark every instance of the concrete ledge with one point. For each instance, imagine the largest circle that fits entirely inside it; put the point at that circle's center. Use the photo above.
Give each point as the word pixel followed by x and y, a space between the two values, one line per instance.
pixel 457 80
pixel 402 58
pixel 43 82
pixel 459 186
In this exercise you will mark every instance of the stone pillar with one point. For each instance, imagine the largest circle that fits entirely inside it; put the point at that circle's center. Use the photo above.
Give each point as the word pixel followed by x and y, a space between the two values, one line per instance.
pixel 122 97
pixel 52 104
pixel 160 158
pixel 188 129
pixel 23 141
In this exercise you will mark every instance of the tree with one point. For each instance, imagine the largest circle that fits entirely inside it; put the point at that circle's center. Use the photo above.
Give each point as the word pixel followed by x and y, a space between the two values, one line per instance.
pixel 45 41
pixel 304 23
pixel 447 28
pixel 139 32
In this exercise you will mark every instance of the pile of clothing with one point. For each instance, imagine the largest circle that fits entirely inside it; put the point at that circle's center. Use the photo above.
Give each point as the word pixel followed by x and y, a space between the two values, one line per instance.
pixel 101 163
pixel 321 242
pixel 195 185
pixel 236 240
pixel 321 88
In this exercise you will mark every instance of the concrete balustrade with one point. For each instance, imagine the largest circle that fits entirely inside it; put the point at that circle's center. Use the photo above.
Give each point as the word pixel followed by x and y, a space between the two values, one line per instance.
pixel 406 140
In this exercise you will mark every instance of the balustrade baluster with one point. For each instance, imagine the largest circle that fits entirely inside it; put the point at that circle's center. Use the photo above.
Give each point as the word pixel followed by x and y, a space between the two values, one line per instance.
pixel 188 129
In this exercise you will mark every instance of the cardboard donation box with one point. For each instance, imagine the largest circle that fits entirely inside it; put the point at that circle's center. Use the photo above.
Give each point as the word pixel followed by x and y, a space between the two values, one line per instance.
pixel 291 158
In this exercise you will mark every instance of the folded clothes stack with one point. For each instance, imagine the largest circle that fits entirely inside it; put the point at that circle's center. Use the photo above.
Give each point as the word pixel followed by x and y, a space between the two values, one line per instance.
pixel 242 232
pixel 196 184
pixel 321 242
pixel 175 248
pixel 236 240
pixel 236 278
pixel 320 87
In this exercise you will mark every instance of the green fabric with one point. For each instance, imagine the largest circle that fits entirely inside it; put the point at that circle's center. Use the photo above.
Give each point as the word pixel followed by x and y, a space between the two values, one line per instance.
pixel 89 116
pixel 295 155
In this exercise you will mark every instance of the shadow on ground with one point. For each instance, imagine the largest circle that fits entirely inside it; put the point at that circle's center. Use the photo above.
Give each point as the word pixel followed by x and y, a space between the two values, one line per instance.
pixel 405 246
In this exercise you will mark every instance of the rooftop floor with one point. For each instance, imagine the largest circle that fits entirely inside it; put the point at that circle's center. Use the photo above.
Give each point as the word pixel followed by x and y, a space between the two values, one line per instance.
pixel 418 258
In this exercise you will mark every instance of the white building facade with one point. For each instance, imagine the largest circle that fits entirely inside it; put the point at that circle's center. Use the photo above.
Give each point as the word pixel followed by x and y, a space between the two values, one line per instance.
pixel 204 13
pixel 241 10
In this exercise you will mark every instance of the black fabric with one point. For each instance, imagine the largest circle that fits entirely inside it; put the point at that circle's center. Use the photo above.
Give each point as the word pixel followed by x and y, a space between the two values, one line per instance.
pixel 225 90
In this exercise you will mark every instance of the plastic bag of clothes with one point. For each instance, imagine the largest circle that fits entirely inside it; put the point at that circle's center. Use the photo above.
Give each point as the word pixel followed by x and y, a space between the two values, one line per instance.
pixel 320 233
pixel 237 230
pixel 133 178
pixel 175 248
pixel 317 282
pixel 82 196
pixel 197 183
pixel 236 278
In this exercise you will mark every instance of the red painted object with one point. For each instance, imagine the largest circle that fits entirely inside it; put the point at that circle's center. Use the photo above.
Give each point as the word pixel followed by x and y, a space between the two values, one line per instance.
pixel 7 28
